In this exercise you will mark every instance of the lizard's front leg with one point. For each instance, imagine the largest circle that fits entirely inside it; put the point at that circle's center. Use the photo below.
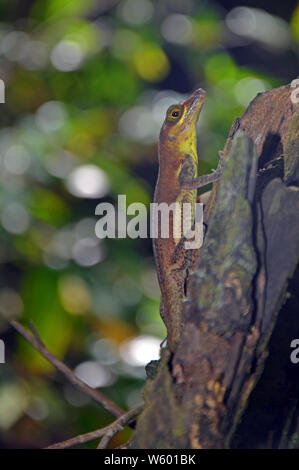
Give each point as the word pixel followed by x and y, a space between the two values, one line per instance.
pixel 187 179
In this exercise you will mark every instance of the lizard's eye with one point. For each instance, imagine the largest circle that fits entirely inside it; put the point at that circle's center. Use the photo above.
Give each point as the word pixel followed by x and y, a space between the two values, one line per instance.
pixel 174 113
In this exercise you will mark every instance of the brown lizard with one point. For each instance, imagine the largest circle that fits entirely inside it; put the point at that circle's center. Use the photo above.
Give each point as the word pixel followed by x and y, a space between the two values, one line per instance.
pixel 178 182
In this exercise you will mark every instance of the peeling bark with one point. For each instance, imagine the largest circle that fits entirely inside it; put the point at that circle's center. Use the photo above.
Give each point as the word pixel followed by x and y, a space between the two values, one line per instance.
pixel 217 384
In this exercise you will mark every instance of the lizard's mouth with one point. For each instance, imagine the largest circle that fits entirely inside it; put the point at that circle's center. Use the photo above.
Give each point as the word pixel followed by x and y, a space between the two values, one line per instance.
pixel 194 105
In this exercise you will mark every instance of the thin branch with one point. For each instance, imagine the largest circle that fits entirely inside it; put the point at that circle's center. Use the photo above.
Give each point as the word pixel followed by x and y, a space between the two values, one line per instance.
pixel 35 340
pixel 104 442
pixel 106 433
pixel 107 438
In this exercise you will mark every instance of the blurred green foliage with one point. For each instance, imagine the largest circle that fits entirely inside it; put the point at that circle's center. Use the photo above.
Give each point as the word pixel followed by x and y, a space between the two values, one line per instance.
pixel 87 84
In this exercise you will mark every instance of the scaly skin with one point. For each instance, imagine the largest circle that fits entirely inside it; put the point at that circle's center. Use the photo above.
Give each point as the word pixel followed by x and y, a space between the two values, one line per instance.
pixel 178 182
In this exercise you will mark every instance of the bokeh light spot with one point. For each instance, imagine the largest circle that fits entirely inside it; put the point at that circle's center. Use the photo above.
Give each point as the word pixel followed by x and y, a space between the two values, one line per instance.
pixel 247 89
pixel 15 218
pixel 177 29
pixel 11 303
pixel 141 350
pixel 16 159
pixel 74 295
pixel 88 252
pixel 51 116
pixel 94 374
pixel 67 56
pixel 136 12
pixel 151 63
pixel 88 181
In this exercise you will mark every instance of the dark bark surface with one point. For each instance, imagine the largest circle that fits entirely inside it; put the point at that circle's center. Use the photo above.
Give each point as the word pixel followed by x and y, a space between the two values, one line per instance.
pixel 230 382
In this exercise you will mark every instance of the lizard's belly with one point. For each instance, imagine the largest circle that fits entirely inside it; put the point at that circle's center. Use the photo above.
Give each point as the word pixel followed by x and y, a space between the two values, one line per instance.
pixel 184 216
pixel 177 220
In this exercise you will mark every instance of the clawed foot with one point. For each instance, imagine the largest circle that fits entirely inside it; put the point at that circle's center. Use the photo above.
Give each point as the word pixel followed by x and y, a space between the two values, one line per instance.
pixel 219 169
pixel 194 183
pixel 221 157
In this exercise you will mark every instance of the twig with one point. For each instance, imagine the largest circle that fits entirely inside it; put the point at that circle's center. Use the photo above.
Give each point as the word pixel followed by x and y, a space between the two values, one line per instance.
pixel 106 433
pixel 104 442
pixel 107 438
pixel 35 340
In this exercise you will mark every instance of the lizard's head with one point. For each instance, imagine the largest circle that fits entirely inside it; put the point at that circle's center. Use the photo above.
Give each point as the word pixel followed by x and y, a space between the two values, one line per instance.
pixel 179 127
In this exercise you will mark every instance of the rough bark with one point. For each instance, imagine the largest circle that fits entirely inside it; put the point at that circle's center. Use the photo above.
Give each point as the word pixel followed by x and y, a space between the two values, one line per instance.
pixel 217 389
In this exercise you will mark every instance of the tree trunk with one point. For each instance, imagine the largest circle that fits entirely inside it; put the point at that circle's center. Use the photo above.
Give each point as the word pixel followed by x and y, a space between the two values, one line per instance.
pixel 230 382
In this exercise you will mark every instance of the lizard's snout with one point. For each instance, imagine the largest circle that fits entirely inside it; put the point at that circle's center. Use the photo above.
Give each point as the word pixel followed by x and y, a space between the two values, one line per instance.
pixel 199 92
pixel 198 96
pixel 194 104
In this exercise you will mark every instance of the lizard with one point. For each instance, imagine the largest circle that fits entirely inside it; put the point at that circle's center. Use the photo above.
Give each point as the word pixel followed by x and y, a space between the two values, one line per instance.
pixel 178 182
